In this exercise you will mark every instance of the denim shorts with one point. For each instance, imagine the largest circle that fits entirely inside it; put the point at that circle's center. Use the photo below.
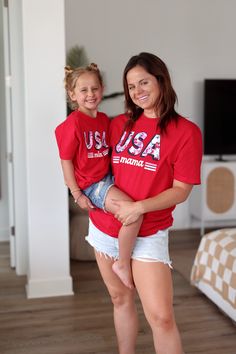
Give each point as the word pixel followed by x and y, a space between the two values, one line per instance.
pixel 97 192
pixel 153 248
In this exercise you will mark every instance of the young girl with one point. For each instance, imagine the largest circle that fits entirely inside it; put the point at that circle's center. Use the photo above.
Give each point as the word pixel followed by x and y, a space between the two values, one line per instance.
pixel 83 144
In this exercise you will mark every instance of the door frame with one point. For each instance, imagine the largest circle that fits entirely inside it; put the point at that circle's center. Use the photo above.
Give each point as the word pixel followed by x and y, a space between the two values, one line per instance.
pixel 8 127
pixel 16 138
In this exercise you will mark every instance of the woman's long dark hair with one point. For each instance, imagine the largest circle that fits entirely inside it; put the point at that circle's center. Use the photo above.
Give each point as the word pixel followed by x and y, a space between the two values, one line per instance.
pixel 166 102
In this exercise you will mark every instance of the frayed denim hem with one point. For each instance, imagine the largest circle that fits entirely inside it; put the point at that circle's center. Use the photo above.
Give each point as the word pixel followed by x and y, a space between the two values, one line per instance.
pixel 150 260
pixel 100 252
pixel 105 255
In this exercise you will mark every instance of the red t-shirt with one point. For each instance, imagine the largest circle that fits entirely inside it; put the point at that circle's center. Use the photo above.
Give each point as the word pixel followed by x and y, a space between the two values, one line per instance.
pixel 84 140
pixel 145 162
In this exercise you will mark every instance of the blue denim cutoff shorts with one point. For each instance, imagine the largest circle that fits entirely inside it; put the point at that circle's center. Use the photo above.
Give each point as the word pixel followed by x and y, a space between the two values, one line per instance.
pixel 153 248
pixel 97 192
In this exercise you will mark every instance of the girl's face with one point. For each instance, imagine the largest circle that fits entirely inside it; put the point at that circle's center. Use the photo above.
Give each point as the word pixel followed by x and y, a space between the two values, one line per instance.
pixel 87 93
pixel 144 90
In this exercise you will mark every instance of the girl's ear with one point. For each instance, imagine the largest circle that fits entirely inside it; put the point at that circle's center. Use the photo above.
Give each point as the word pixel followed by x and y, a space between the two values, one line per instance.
pixel 72 95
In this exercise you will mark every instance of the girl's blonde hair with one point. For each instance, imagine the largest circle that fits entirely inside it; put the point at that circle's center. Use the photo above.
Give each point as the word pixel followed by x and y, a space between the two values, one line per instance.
pixel 71 77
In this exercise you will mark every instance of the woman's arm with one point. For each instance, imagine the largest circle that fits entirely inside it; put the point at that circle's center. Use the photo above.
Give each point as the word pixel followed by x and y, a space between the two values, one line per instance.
pixel 70 181
pixel 129 212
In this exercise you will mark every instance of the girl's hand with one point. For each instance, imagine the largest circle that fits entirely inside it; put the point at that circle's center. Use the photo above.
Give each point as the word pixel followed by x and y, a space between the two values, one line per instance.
pixel 128 212
pixel 84 202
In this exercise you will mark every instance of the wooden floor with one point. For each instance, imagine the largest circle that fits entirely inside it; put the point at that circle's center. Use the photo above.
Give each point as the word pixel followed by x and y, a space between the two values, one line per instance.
pixel 83 324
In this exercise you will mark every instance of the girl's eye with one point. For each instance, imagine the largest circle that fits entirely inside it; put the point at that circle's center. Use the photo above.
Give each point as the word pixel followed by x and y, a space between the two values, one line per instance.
pixel 130 88
pixel 144 82
pixel 83 90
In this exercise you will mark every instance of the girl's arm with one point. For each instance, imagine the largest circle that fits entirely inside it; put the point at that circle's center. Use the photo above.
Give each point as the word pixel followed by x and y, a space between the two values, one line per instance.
pixel 129 212
pixel 70 181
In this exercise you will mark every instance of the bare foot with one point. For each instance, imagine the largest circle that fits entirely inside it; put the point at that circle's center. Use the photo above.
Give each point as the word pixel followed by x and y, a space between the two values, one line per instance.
pixel 124 273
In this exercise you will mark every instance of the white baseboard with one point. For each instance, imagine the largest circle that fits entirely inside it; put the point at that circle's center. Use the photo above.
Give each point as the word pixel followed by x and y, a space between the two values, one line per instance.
pixel 4 234
pixel 49 287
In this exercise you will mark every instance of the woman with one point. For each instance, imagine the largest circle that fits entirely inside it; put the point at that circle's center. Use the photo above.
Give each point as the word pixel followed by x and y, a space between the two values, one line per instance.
pixel 156 158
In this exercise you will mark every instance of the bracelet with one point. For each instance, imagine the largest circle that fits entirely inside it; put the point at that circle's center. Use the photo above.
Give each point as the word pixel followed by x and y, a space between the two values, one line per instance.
pixel 76 200
pixel 75 190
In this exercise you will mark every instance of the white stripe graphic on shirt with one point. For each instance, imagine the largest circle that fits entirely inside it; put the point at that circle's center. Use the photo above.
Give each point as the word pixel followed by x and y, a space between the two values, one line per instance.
pixel 150 166
pixel 105 152
pixel 116 159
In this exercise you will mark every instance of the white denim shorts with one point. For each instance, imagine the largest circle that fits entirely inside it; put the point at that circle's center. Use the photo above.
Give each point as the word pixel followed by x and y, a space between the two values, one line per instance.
pixel 153 248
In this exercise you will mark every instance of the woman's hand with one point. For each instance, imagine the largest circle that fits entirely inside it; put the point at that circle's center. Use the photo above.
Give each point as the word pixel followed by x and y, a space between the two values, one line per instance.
pixel 84 202
pixel 128 212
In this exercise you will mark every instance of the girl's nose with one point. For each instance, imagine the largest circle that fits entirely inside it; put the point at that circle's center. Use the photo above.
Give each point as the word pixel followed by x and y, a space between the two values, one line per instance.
pixel 90 92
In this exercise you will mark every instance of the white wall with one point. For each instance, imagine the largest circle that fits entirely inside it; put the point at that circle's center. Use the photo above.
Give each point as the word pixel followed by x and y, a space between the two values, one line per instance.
pixel 196 39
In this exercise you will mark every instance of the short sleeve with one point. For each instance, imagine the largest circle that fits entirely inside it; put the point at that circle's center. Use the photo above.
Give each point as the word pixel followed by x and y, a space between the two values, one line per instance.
pixel 67 140
pixel 187 166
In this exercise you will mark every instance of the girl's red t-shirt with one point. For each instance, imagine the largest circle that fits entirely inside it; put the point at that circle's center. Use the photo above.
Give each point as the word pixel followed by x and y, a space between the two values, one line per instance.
pixel 84 140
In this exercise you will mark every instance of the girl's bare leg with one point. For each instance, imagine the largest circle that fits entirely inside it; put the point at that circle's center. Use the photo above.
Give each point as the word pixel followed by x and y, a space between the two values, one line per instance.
pixel 126 238
pixel 153 282
pixel 123 299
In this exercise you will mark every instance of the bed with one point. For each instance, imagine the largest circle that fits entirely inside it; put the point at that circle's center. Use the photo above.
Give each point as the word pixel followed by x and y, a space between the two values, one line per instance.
pixel 214 269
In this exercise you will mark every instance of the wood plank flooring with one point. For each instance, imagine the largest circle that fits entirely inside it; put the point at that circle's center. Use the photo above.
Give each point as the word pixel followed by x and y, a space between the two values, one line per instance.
pixel 83 324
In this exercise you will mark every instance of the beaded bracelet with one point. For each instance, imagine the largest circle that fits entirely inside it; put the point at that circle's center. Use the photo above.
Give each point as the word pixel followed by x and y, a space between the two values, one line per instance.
pixel 75 190
pixel 76 200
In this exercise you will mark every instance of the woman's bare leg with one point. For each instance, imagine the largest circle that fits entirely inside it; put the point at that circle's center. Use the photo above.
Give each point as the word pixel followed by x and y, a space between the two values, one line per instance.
pixel 123 299
pixel 153 282
pixel 126 237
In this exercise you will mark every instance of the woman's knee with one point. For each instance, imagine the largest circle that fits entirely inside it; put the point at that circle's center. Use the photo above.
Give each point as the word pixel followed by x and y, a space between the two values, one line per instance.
pixel 161 320
pixel 122 298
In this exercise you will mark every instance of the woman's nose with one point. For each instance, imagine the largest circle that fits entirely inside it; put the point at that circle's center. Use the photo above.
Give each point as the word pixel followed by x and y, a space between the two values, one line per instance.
pixel 138 89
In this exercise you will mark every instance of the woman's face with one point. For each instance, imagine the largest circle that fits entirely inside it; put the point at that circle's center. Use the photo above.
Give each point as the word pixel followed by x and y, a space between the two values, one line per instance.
pixel 144 89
